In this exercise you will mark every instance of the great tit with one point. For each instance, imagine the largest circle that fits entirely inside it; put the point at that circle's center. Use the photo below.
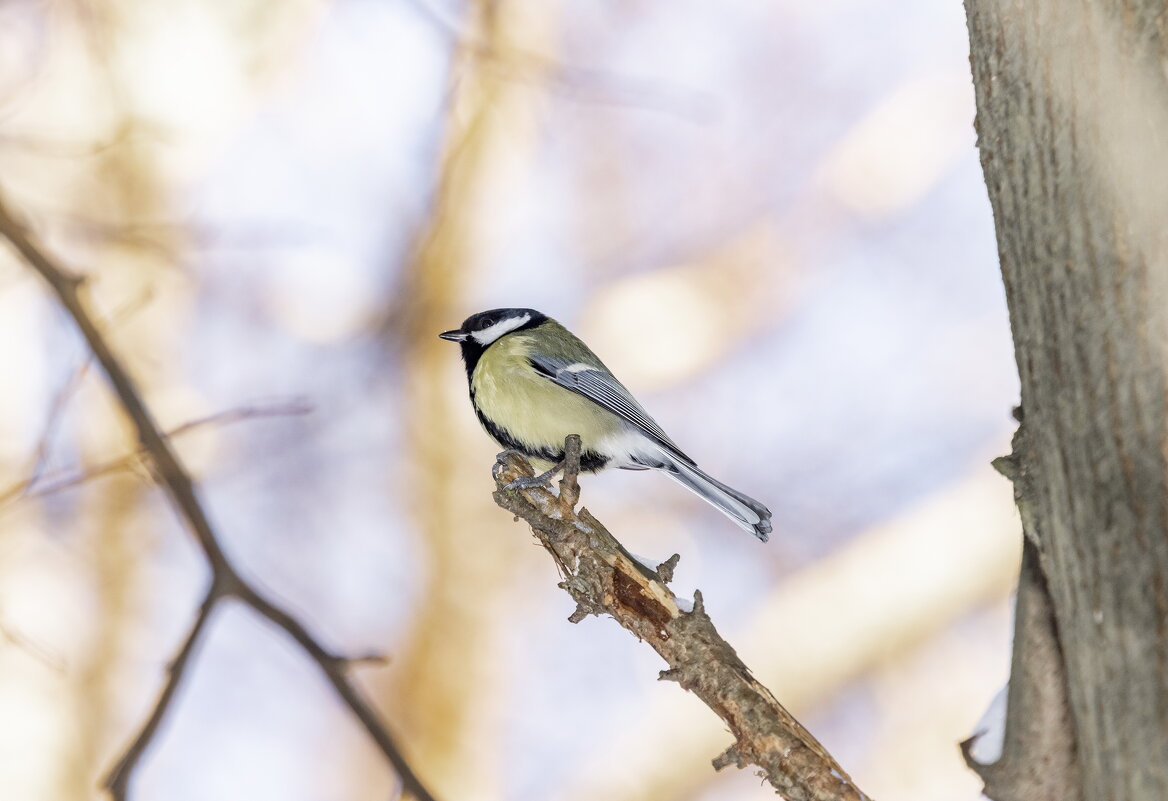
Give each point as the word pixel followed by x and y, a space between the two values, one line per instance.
pixel 532 383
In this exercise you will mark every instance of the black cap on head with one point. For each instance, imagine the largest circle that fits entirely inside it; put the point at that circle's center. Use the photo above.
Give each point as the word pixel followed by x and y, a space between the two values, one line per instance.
pixel 492 317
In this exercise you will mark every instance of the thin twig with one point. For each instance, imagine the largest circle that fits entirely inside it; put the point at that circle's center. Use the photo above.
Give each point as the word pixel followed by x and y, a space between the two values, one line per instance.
pixel 225 580
pixel 40 485
pixel 118 780
pixel 34 649
pixel 603 578
pixel 52 423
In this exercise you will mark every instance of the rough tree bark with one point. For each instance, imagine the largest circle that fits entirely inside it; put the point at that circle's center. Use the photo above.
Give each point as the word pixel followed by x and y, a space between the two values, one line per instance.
pixel 1072 122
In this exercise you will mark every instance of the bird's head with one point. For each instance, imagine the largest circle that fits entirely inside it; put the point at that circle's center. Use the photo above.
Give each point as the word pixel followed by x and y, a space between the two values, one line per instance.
pixel 480 330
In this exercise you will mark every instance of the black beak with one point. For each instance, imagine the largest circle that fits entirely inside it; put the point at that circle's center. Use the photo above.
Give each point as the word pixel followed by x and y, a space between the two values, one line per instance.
pixel 454 336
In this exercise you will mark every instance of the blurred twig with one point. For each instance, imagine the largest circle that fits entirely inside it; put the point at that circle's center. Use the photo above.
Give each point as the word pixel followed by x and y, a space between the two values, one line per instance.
pixel 572 82
pixel 603 578
pixel 39 484
pixel 31 647
pixel 52 422
pixel 225 580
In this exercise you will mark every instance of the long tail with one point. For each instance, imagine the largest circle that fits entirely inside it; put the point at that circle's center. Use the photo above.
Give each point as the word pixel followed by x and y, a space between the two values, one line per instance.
pixel 745 511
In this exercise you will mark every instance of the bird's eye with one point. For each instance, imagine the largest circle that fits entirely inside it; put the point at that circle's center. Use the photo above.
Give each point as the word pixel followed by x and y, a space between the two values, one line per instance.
pixel 487 322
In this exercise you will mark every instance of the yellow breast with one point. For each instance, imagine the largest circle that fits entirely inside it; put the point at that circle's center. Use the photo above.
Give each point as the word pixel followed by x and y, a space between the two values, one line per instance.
pixel 531 409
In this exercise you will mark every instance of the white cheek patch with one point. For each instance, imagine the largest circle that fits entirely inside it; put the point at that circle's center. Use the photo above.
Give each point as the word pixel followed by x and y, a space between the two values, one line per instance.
pixel 489 335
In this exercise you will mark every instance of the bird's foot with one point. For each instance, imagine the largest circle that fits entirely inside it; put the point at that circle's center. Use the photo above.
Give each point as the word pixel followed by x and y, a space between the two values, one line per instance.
pixel 530 482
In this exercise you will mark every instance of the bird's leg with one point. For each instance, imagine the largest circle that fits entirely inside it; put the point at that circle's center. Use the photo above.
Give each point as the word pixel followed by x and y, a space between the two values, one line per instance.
pixel 569 464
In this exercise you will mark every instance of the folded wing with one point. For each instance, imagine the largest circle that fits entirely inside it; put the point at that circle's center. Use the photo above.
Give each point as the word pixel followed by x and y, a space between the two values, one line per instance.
pixel 600 387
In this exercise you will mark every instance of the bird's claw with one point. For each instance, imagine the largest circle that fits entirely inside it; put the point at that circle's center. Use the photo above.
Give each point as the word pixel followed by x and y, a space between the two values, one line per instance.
pixel 528 482
pixel 531 482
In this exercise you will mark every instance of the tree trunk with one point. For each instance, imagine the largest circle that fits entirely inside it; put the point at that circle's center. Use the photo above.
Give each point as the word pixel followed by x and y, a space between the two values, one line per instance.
pixel 1072 121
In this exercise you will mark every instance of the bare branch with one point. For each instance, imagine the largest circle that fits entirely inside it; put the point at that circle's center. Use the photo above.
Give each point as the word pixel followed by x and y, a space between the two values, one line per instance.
pixel 225 580
pixel 603 578
pixel 118 781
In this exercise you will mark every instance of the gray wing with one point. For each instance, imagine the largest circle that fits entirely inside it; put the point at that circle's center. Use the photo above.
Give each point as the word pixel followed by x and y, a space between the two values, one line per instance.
pixel 600 387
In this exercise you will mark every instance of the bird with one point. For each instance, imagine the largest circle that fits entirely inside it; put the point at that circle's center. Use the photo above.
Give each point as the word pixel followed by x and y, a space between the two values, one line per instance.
pixel 532 383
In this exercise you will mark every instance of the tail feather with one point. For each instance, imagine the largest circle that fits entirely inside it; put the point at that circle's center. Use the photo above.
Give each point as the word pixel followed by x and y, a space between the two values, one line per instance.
pixel 745 511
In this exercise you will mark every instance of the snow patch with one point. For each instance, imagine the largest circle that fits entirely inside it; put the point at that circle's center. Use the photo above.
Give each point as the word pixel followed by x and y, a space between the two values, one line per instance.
pixel 989 735
pixel 645 561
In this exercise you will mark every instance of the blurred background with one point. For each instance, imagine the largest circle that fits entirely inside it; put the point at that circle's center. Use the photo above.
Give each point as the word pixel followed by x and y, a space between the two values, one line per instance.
pixel 768 218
